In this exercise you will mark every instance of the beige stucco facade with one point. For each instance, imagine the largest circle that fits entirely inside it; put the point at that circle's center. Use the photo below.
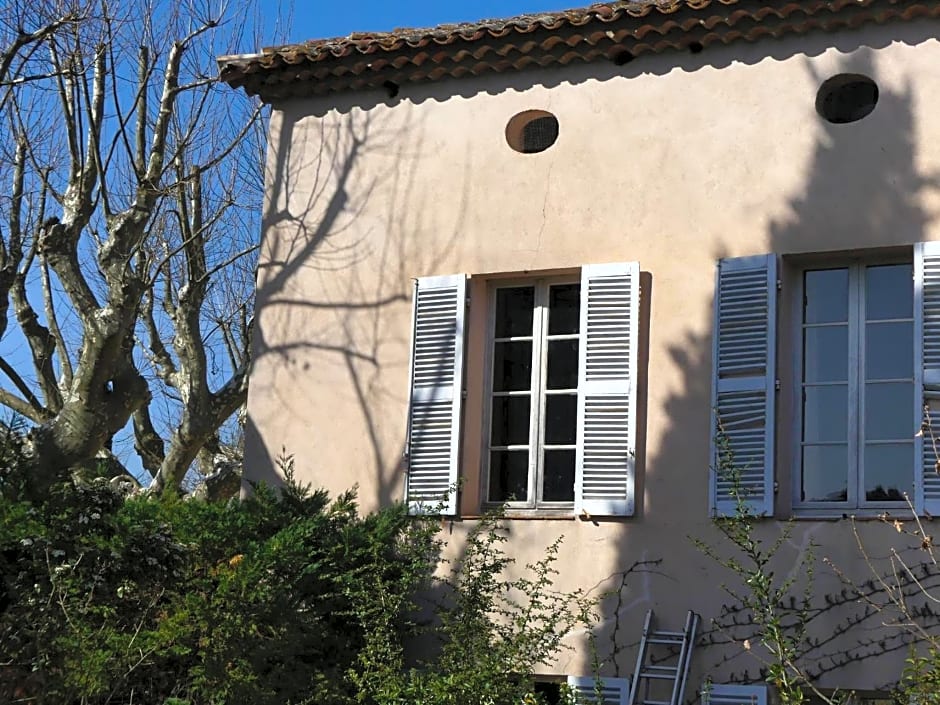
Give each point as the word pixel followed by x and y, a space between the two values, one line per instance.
pixel 673 161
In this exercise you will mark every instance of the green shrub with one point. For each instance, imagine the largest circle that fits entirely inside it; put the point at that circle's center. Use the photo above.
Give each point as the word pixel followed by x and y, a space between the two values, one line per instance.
pixel 285 597
pixel 492 632
pixel 146 599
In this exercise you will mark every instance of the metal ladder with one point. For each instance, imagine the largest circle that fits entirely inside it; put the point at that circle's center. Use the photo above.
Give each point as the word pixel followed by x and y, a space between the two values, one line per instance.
pixel 656 680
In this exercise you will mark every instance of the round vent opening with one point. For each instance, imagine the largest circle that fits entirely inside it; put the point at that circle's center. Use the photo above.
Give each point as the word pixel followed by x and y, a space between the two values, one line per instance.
pixel 532 131
pixel 846 97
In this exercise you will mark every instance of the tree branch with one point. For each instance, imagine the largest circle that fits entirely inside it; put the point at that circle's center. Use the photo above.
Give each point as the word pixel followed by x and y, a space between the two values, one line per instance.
pixel 20 407
pixel 166 369
pixel 63 352
pixel 23 39
pixel 22 386
pixel 147 441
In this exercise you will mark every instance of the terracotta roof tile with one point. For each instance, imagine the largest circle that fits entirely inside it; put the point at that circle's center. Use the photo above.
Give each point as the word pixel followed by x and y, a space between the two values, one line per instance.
pixel 617 31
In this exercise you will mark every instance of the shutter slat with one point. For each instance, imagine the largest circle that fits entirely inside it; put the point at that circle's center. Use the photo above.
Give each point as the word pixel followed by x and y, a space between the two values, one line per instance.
pixel 743 381
pixel 613 691
pixel 436 386
pixel 610 298
pixel 930 473
pixel 927 375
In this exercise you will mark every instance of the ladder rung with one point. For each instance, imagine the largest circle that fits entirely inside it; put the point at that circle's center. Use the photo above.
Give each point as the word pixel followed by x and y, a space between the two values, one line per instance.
pixel 682 643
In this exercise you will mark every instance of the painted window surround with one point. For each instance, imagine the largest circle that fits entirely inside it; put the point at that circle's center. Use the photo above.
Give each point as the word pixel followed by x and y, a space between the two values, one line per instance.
pixel 747 384
pixel 757 376
pixel 873 340
pixel 606 394
pixel 538 391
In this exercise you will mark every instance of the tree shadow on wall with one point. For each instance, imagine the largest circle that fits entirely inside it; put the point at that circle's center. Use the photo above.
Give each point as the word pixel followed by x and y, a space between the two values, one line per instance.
pixel 862 190
pixel 328 282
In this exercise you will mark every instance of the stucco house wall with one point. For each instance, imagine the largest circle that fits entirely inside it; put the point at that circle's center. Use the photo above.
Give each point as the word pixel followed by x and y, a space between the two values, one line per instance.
pixel 674 161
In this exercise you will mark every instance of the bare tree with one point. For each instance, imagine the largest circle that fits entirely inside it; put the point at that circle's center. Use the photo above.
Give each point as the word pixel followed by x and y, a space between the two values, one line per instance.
pixel 127 230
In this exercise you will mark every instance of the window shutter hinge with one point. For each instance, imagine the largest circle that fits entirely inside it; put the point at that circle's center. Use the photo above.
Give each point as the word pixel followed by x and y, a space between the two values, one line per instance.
pixel 776 487
pixel 777 385
pixel 779 284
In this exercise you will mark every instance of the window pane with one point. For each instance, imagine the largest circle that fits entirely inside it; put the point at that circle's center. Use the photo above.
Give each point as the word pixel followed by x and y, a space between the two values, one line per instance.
pixel 889 472
pixel 889 411
pixel 825 473
pixel 510 421
pixel 825 413
pixel 562 364
pixel 512 366
pixel 826 354
pixel 559 476
pixel 889 292
pixel 550 692
pixel 561 419
pixel 509 475
pixel 514 311
pixel 889 350
pixel 826 296
pixel 564 309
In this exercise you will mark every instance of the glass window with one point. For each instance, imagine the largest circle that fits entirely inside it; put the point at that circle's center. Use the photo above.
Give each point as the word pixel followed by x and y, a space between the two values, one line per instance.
pixel 857 382
pixel 533 394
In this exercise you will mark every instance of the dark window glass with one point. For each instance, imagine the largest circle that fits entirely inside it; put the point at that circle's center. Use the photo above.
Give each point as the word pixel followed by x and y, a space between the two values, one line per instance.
pixel 888 471
pixel 549 692
pixel 889 411
pixel 564 309
pixel 562 364
pixel 559 476
pixel 889 350
pixel 826 296
pixel 509 475
pixel 539 134
pixel 512 366
pixel 510 421
pixel 514 311
pixel 825 469
pixel 846 97
pixel 826 354
pixel 826 413
pixel 561 412
pixel 889 292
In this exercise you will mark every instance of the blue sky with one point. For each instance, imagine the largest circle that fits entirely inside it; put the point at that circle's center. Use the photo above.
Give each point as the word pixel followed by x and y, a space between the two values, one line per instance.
pixel 317 20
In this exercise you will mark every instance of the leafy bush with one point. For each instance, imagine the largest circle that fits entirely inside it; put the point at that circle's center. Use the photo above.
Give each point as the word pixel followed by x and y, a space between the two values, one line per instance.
pixel 921 680
pixel 284 597
pixel 114 600
pixel 492 632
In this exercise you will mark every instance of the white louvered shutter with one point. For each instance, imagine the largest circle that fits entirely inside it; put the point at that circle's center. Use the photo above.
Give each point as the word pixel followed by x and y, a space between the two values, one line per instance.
pixel 927 375
pixel 715 694
pixel 614 691
pixel 436 394
pixel 744 383
pixel 610 300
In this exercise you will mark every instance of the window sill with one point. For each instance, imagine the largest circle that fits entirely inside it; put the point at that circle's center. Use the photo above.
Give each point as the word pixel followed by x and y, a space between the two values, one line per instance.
pixel 531 514
pixel 853 514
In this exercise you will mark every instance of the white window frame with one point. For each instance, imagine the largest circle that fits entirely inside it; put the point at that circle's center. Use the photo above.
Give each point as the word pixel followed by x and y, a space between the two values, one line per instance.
pixel 854 502
pixel 535 447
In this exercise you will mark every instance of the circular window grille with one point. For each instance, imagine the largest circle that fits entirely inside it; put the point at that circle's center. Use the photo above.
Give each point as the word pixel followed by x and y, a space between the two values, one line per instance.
pixel 532 131
pixel 846 97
